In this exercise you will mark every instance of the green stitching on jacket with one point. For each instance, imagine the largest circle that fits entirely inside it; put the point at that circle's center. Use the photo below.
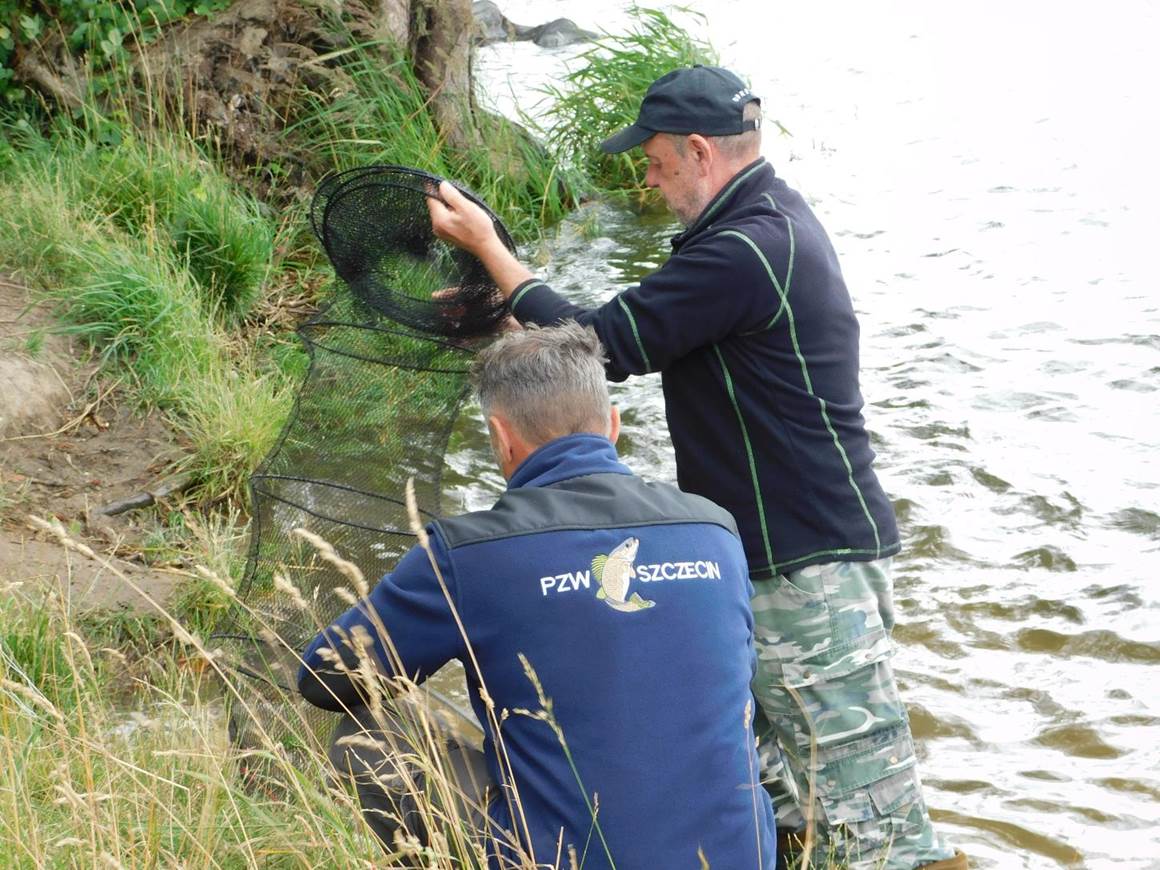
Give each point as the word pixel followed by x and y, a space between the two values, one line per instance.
pixel 748 452
pixel 720 199
pixel 523 290
pixel 792 259
pixel 782 294
pixel 635 333
pixel 809 384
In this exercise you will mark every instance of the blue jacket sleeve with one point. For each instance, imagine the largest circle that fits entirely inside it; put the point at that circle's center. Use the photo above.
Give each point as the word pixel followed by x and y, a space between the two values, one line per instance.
pixel 705 292
pixel 412 627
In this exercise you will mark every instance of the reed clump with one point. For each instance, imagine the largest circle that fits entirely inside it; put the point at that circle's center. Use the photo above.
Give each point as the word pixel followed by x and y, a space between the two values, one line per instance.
pixel 602 94
pixel 381 116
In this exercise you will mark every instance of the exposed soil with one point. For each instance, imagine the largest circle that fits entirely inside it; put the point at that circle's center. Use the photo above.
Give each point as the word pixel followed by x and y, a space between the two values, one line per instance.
pixel 239 77
pixel 66 450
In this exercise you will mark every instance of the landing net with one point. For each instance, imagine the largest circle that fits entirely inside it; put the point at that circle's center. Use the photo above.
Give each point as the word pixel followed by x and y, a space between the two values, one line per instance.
pixel 387 379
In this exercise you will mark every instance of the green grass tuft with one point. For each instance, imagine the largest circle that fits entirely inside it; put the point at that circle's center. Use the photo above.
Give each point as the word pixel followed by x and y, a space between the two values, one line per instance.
pixel 603 93
pixel 383 118
pixel 120 280
pixel 166 184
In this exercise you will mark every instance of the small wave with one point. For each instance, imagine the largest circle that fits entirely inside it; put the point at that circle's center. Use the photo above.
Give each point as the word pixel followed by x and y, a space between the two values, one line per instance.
pixel 1080 741
pixel 1048 557
pixel 1042 608
pixel 1138 521
pixel 925 726
pixel 933 542
pixel 1097 644
pixel 1130 786
pixel 990 481
pixel 1152 341
pixel 1044 775
pixel 1047 511
pixel 1133 386
pixel 901 401
pixel 936 431
pixel 1123 593
pixel 1021 838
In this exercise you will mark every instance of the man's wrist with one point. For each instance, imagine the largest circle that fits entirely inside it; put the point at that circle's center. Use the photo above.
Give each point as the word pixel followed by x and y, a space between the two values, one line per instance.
pixel 504 268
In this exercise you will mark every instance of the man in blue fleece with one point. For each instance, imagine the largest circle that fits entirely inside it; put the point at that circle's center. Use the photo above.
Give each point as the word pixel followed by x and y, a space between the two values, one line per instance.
pixel 753 331
pixel 630 600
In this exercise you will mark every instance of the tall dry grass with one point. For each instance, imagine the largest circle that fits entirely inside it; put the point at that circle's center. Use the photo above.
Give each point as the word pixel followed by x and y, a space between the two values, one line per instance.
pixel 109 760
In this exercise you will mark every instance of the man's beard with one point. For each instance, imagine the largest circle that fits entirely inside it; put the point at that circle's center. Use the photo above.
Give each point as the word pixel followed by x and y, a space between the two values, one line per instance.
pixel 686 211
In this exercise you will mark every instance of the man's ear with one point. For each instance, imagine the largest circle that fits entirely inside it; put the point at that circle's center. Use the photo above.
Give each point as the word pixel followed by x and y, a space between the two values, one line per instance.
pixel 501 439
pixel 614 424
pixel 701 152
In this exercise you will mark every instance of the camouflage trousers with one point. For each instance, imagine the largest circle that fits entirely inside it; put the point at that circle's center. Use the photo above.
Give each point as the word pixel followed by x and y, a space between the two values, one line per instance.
pixel 825 687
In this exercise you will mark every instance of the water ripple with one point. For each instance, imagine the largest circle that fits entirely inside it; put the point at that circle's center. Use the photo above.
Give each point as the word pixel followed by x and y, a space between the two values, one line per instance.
pixel 1048 557
pixel 1099 644
pixel 1078 740
pixel 1138 521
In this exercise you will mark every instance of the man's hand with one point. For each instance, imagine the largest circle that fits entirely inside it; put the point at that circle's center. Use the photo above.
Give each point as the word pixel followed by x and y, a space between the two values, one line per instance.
pixel 460 221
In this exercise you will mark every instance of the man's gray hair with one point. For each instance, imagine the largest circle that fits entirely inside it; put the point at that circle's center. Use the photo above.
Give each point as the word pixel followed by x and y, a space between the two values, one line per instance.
pixel 548 382
pixel 739 146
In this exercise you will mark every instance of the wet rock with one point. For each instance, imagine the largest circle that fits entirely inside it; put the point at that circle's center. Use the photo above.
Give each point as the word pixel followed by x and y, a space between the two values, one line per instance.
pixel 561 32
pixel 493 26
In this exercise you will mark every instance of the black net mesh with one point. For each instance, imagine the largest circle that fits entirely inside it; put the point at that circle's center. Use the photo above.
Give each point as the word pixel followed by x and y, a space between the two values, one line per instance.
pixel 388 375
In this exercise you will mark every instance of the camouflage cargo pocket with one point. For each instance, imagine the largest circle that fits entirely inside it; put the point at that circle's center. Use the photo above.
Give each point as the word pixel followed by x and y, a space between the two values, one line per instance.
pixel 813 623
pixel 847 692
pixel 870 797
pixel 789 621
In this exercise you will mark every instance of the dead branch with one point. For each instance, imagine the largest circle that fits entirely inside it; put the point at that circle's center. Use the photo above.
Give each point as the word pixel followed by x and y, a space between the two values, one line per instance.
pixel 174 485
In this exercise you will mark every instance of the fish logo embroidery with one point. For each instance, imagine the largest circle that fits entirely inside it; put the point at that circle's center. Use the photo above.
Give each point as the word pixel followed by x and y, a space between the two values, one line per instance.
pixel 614 572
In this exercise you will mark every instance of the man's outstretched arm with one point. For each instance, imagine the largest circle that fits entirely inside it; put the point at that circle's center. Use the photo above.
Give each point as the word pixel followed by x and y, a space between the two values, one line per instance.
pixel 702 295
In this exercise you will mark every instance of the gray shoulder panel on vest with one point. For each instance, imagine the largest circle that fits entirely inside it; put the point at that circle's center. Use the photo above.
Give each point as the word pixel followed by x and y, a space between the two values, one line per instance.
pixel 596 501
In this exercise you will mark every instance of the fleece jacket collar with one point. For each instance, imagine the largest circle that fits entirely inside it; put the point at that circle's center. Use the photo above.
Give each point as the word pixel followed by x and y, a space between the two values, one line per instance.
pixel 755 176
pixel 568 457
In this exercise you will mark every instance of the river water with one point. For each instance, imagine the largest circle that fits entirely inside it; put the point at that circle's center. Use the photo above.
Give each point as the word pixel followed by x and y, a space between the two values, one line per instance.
pixel 987 174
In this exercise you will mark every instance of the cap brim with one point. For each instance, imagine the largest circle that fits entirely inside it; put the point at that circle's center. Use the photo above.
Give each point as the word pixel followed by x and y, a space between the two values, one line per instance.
pixel 629 137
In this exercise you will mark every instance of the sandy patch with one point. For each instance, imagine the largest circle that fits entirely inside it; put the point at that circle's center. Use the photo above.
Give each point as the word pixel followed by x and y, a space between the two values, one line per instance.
pixel 65 451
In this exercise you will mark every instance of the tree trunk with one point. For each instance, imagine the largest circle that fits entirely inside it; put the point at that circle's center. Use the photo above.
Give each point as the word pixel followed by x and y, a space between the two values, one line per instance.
pixel 394 22
pixel 441 43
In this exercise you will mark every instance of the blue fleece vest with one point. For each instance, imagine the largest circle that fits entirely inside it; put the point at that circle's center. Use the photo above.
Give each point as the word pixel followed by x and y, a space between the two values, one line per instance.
pixel 630 601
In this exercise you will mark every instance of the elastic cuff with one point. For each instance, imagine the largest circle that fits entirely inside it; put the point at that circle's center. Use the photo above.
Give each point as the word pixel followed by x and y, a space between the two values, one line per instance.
pixel 521 289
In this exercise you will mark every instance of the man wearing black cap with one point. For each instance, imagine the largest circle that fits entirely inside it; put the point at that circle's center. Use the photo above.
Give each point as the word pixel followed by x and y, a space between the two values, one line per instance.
pixel 753 331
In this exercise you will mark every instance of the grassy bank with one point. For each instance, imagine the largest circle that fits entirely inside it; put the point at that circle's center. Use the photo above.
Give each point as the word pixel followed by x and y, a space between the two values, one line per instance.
pixel 149 253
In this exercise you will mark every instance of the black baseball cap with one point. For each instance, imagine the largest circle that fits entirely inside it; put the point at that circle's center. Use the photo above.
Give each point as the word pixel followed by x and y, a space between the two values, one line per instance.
pixel 701 99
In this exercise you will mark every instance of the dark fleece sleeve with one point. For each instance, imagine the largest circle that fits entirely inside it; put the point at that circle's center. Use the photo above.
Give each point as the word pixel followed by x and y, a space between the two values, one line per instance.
pixel 412 627
pixel 704 293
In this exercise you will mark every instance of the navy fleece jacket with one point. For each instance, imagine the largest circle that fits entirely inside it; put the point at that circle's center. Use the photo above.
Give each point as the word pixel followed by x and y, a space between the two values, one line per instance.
pixel 753 330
